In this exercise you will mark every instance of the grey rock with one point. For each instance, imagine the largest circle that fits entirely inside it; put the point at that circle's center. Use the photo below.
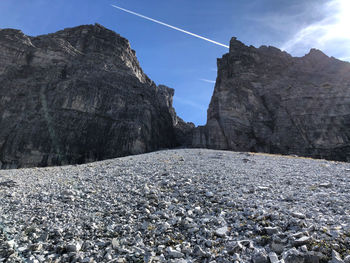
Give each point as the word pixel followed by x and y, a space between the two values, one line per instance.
pixel 326 185
pixel 304 248
pixel 347 259
pixel 108 256
pixel 183 130
pixel 41 258
pixel 11 243
pixel 221 232
pixel 293 256
pixel 73 247
pixel 298 215
pixel 180 260
pixel 115 243
pixel 198 252
pixel 313 257
pixel 271 230
pixel 234 247
pixel 260 257
pixel 33 260
pixel 236 257
pixel 208 243
pixel 76 96
pixel 336 258
pixel 108 214
pixel 273 257
pixel 302 241
pixel 277 247
pixel 36 246
pixel 209 194
pixel 265 100
pixel 174 253
pixel 22 249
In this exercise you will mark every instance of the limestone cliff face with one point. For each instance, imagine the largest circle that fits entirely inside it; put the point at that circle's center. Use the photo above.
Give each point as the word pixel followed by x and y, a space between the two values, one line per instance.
pixel 76 96
pixel 268 101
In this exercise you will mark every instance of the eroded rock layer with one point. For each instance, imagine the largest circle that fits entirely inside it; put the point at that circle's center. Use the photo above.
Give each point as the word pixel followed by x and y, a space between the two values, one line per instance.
pixel 76 96
pixel 268 101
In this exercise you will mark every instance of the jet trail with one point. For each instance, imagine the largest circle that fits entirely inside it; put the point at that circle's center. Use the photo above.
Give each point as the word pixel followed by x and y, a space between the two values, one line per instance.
pixel 173 27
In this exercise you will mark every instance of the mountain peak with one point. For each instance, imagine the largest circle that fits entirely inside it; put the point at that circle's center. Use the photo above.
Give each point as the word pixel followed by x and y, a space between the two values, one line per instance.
pixel 236 45
pixel 316 53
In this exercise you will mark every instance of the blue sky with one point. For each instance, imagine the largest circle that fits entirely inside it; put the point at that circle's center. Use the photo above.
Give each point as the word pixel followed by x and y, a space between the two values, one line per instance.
pixel 183 62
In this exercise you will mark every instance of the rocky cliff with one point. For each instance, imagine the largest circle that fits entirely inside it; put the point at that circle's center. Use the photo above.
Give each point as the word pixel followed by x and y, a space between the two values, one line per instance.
pixel 76 96
pixel 268 101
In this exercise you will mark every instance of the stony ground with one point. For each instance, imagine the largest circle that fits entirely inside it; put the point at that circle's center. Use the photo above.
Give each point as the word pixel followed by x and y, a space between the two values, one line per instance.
pixel 178 206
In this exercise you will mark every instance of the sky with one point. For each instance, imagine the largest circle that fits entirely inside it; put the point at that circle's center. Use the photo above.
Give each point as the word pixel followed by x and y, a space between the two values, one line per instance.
pixel 184 62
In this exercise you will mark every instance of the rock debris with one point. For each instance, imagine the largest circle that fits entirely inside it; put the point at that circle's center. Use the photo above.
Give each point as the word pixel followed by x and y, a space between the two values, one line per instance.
pixel 186 205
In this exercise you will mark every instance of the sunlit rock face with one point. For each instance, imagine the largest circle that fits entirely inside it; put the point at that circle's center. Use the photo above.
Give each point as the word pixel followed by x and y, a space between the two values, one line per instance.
pixel 268 101
pixel 76 96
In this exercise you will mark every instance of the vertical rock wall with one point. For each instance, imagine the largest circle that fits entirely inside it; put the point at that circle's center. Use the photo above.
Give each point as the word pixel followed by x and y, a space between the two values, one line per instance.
pixel 76 96
pixel 268 101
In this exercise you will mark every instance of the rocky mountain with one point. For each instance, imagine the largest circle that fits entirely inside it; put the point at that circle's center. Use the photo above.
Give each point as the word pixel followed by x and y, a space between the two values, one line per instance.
pixel 265 100
pixel 80 95
pixel 76 96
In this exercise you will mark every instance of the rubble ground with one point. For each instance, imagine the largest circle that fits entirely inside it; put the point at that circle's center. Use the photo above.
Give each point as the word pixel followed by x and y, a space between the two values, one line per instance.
pixel 185 205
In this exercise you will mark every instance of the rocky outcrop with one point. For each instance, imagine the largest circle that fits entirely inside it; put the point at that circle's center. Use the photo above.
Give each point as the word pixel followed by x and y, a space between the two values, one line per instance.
pixel 79 95
pixel 268 101
pixel 76 96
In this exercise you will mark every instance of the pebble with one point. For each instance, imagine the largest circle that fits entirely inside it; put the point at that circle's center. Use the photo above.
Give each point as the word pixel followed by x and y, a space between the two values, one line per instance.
pixel 174 253
pixel 73 247
pixel 209 194
pixel 271 230
pixel 298 215
pixel 260 257
pixel 277 247
pixel 302 241
pixel 211 208
pixel 336 258
pixel 273 257
pixel 221 232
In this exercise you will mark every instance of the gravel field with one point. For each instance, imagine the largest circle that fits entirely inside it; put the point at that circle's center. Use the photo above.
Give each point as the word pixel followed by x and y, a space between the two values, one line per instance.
pixel 186 205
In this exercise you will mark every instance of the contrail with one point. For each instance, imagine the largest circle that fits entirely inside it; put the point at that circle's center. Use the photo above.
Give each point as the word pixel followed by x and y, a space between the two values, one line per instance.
pixel 173 27
pixel 208 80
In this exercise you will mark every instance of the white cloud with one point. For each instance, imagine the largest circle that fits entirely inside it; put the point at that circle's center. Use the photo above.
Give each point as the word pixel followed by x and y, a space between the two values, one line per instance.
pixel 345 59
pixel 189 103
pixel 330 34
pixel 208 81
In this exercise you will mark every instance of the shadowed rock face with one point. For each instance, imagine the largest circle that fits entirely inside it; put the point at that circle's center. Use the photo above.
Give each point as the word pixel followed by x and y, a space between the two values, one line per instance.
pixel 79 95
pixel 268 101
pixel 76 96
